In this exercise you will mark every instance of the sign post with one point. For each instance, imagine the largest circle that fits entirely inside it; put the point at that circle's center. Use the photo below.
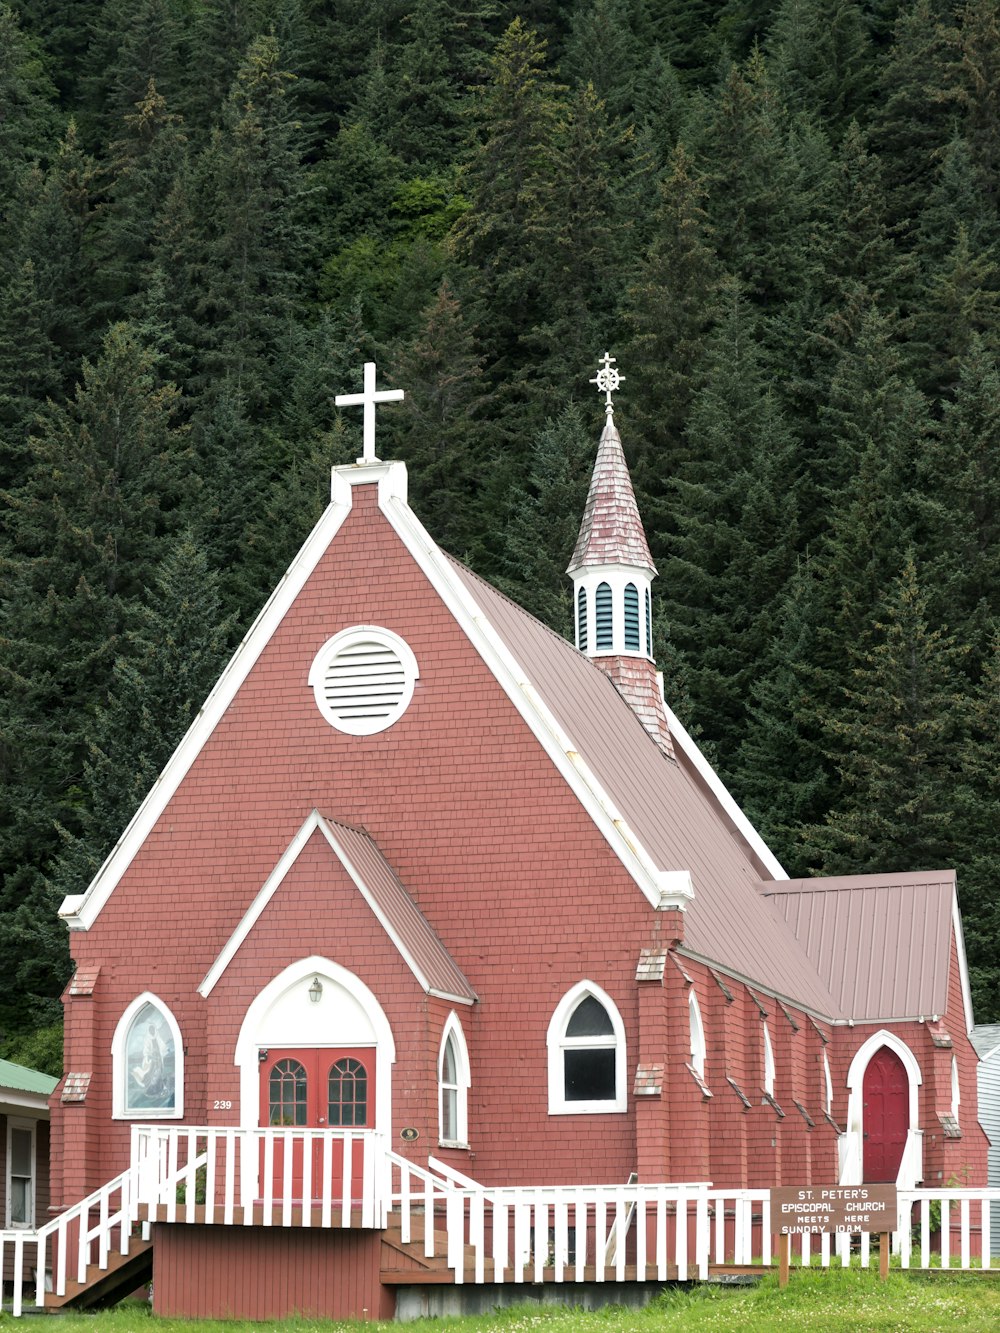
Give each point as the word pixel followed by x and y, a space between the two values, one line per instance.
pixel 836 1209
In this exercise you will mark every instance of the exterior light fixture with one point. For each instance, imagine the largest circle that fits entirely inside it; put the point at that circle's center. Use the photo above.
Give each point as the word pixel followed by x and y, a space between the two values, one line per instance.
pixel 316 990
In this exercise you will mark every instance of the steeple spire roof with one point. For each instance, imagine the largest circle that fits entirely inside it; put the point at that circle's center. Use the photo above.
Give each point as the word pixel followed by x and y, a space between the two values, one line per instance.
pixel 611 532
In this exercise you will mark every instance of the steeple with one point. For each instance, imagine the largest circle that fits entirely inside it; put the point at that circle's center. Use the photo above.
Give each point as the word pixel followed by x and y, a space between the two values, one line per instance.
pixel 612 571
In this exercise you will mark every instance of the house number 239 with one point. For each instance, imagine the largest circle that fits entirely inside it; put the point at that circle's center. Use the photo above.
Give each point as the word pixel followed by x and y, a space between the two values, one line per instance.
pixel 222 1106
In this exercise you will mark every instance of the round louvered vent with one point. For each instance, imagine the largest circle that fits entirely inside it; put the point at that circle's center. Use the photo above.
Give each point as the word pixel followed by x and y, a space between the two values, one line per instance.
pixel 363 679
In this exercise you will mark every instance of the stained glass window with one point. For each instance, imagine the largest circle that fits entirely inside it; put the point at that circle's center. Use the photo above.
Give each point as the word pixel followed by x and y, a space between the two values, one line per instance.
pixel 150 1062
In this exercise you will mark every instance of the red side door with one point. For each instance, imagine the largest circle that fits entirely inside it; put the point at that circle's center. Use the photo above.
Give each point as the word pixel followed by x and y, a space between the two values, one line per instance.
pixel 886 1115
pixel 328 1088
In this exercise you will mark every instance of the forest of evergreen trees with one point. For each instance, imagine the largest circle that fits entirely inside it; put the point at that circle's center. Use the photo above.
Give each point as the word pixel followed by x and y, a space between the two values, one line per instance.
pixel 781 216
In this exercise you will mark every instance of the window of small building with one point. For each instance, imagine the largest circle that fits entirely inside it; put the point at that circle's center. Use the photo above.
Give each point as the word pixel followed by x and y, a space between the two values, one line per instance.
pixel 148 1062
pixel 453 1086
pixel 956 1090
pixel 586 1043
pixel 347 1099
pixel 20 1173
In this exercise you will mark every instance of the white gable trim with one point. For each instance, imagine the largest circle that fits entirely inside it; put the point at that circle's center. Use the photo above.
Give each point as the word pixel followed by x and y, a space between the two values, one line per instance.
pixel 718 789
pixel 963 963
pixel 314 822
pixel 663 888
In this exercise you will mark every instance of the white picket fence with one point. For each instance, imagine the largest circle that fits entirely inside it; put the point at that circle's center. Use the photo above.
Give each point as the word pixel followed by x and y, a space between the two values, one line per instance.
pixel 572 1233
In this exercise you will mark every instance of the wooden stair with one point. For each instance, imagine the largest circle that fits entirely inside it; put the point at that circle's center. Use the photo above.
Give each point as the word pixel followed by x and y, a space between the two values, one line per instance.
pixel 106 1286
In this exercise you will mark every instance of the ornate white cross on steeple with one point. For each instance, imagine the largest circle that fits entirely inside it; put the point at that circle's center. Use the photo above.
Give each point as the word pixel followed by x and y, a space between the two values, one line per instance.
pixel 367 399
pixel 607 380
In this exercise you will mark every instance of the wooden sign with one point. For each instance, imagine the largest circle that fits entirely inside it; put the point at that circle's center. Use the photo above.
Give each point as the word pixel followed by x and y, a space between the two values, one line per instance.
pixel 837 1208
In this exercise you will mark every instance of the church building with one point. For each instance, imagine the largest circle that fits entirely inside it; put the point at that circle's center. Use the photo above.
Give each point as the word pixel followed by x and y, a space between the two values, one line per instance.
pixel 431 882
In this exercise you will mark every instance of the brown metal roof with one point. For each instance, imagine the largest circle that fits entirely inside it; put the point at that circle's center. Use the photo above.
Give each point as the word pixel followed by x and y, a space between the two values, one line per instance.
pixel 881 943
pixel 677 821
pixel 412 929
pixel 611 532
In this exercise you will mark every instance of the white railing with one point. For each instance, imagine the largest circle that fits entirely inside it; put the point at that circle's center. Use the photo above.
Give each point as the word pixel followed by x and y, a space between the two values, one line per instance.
pixel 270 1177
pixel 88 1231
pixel 561 1233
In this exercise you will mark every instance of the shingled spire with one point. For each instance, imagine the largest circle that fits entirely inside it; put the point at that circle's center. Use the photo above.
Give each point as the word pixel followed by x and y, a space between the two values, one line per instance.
pixel 612 570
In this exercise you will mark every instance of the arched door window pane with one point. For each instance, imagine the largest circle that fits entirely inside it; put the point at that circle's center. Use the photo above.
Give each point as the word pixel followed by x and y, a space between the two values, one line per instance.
pixel 348 1094
pixel 631 618
pixel 150 1062
pixel 288 1094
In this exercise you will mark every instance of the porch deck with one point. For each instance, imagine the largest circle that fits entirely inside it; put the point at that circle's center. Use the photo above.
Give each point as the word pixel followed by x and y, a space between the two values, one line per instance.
pixel 438 1226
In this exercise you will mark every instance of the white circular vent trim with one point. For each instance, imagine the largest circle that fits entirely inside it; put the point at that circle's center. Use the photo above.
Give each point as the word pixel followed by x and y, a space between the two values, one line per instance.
pixel 363 679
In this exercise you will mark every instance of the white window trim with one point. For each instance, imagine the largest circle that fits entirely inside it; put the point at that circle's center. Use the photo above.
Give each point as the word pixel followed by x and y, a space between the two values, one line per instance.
pixel 118 1100
pixel 557 1043
pixel 827 1085
pixel 346 638
pixel 463 1081
pixel 698 1048
pixel 768 1062
pixel 31 1126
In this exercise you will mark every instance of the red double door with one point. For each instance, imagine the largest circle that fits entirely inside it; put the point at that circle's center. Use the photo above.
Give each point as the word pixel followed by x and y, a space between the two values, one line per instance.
pixel 886 1115
pixel 326 1088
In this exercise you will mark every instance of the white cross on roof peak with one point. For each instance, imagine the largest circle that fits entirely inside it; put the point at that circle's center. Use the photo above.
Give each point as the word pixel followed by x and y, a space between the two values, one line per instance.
pixel 367 399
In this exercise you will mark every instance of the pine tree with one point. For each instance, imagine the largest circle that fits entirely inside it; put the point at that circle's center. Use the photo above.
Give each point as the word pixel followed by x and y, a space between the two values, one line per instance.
pixel 251 179
pixel 735 519
pixel 917 111
pixel 543 518
pixel 145 162
pixel 516 117
pixel 822 61
pixel 28 121
pixel 896 741
pixel 781 774
pixel 978 838
pixel 87 525
pixel 669 311
pixel 960 498
pixel 442 429
pixel 168 661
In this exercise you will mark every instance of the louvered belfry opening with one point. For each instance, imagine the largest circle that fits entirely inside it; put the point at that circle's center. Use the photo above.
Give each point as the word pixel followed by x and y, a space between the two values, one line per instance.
pixel 364 681
pixel 581 620
pixel 631 618
pixel 602 616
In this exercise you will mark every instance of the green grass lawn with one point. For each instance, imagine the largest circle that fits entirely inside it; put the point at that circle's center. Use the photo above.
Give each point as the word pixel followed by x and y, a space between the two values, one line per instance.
pixel 815 1302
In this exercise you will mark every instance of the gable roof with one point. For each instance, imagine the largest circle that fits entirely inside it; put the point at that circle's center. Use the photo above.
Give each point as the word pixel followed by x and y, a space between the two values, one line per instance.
pixel 410 931
pixel 986 1039
pixel 673 826
pixel 881 943
pixel 22 1079
pixel 668 810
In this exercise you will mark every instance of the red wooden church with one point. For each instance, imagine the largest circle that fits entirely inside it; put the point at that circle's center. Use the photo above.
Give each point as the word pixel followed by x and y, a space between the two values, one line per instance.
pixel 430 898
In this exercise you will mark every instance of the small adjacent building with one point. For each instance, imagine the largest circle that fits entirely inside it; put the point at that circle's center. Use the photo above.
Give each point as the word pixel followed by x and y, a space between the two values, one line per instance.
pixel 24 1143
pixel 986 1039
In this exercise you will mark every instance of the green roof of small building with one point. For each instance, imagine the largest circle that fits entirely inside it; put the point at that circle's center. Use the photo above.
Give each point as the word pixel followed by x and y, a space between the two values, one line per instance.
pixel 25 1080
